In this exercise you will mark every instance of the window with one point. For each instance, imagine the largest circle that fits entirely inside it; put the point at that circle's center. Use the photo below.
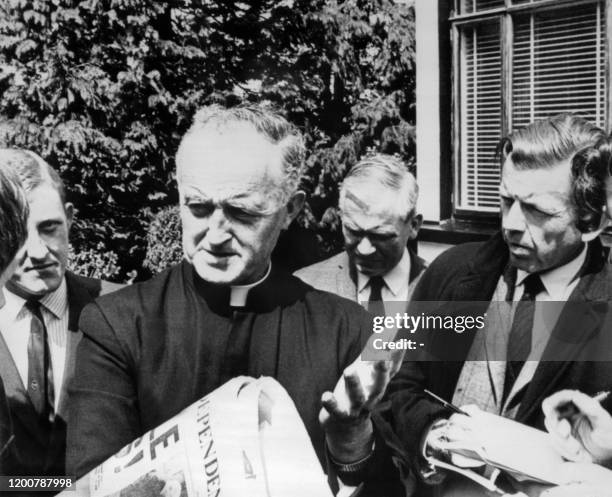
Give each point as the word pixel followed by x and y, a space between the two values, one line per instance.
pixel 517 61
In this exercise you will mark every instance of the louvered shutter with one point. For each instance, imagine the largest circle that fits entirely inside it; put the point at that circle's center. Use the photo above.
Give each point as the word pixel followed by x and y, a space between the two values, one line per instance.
pixel 558 65
pixel 469 6
pixel 480 119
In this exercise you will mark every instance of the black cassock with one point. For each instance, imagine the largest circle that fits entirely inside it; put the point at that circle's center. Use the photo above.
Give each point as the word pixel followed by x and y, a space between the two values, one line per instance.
pixel 150 350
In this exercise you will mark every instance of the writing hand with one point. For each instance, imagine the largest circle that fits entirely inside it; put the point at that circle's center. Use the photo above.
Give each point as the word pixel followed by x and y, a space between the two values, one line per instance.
pixel 590 440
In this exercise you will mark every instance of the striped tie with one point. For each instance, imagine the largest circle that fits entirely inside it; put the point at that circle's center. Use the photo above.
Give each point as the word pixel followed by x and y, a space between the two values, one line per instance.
pixel 519 340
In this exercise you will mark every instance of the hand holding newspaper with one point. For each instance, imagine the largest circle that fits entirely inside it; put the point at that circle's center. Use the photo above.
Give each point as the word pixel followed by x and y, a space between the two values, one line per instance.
pixel 244 439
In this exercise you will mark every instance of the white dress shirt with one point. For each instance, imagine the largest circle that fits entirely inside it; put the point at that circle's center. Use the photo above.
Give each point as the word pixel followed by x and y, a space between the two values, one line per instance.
pixel 15 322
pixel 396 283
pixel 559 282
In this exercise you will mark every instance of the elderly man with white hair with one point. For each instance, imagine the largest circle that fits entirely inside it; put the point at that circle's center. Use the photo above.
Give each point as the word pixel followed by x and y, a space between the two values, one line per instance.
pixel 379 216
pixel 150 350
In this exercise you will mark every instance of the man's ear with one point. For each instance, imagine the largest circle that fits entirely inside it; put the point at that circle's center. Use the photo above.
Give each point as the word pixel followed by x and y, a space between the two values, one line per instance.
pixel 415 225
pixel 603 223
pixel 294 206
pixel 69 210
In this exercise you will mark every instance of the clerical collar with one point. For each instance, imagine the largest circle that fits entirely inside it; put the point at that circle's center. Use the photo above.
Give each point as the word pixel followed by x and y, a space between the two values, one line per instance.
pixel 239 293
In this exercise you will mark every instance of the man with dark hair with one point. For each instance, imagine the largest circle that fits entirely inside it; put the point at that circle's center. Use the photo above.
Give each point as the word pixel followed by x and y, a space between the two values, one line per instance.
pixel 156 347
pixel 379 216
pixel 13 213
pixel 548 250
pixel 38 324
pixel 13 232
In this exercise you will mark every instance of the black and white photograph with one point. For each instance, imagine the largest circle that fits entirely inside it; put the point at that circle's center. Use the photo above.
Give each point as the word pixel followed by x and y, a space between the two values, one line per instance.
pixel 296 248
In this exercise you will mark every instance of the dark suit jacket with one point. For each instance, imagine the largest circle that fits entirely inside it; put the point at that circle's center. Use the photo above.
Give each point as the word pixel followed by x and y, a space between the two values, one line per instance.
pixel 39 449
pixel 6 431
pixel 470 272
pixel 337 275
pixel 154 348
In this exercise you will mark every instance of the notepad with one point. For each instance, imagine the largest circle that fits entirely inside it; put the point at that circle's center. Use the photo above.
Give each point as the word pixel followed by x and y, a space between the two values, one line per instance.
pixel 524 452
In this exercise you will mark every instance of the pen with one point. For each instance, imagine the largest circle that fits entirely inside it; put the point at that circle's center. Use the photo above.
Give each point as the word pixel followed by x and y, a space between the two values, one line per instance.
pixel 569 410
pixel 445 403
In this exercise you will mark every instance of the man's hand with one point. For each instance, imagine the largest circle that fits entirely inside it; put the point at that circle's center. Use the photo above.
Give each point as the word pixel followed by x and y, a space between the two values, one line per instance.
pixel 591 439
pixel 345 415
pixel 458 429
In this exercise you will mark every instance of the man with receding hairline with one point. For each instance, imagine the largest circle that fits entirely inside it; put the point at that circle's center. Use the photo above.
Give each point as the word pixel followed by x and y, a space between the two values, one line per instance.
pixel 154 348
pixel 38 324
pixel 379 217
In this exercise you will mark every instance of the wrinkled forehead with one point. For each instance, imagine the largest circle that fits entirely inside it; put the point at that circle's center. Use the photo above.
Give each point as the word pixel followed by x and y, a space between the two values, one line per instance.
pixel 365 198
pixel 227 163
pixel 227 153
pixel 554 182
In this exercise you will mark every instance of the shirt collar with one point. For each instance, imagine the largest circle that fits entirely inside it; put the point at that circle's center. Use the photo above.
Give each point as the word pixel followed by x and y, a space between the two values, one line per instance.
pixel 13 305
pixel 394 279
pixel 239 293
pixel 55 302
pixel 558 279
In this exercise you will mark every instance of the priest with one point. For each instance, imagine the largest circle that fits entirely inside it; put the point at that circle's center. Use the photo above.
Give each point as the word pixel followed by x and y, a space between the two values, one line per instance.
pixel 150 350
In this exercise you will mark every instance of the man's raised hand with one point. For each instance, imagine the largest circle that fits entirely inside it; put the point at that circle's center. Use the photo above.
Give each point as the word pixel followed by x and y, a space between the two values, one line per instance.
pixel 345 415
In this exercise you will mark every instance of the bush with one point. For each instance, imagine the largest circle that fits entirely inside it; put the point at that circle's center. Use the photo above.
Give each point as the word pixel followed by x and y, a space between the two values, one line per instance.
pixel 104 89
pixel 164 240
pixel 94 263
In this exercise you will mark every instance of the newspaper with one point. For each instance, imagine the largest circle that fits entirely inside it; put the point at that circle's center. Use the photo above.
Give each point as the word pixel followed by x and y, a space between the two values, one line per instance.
pixel 244 439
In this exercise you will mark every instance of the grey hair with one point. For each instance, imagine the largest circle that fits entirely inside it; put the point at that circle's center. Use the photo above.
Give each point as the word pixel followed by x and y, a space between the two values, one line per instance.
pixel 271 125
pixel 388 171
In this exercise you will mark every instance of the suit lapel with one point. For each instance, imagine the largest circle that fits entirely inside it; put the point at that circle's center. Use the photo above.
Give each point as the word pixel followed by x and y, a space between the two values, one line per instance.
pixel 346 278
pixel 559 356
pixel 78 297
pixel 417 265
pixel 579 322
pixel 471 295
pixel 17 395
pixel 73 339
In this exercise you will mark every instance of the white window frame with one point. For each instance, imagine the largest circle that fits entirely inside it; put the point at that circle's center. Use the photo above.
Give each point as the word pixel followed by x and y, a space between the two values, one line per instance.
pixel 505 15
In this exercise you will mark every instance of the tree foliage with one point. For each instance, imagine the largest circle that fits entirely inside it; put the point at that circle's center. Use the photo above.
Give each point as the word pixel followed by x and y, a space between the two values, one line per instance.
pixel 104 89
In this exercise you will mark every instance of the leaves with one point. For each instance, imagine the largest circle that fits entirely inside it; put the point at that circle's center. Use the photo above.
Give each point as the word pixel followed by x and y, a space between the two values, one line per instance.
pixel 104 90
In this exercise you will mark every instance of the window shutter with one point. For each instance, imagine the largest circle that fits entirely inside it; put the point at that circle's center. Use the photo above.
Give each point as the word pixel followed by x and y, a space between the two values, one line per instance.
pixel 480 120
pixel 470 6
pixel 558 65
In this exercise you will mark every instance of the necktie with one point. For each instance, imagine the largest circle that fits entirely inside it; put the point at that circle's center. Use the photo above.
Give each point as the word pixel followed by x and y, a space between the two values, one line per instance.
pixel 375 302
pixel 519 340
pixel 40 372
